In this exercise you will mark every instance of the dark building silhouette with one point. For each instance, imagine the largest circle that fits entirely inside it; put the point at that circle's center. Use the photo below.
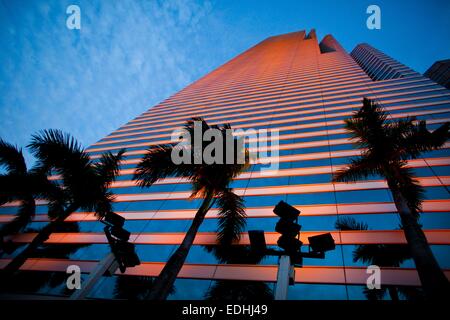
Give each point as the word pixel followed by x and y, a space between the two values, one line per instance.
pixel 440 73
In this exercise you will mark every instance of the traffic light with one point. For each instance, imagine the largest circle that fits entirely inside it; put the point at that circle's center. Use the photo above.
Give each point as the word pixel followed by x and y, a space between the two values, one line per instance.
pixel 120 233
pixel 257 241
pixel 118 237
pixel 127 256
pixel 284 210
pixel 113 219
pixel 288 227
pixel 321 243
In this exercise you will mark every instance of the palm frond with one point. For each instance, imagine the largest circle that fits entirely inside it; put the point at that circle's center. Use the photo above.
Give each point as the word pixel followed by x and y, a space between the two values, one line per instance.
pixel 419 140
pixel 11 157
pixel 349 224
pixel 108 167
pixel 410 188
pixel 41 187
pixel 11 187
pixel 103 204
pixel 367 124
pixel 55 150
pixel 23 217
pixel 231 217
pixel 358 169
pixel 157 164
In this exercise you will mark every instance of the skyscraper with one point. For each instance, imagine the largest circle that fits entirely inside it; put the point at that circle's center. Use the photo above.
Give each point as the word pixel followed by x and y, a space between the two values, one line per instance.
pixel 304 89
pixel 440 72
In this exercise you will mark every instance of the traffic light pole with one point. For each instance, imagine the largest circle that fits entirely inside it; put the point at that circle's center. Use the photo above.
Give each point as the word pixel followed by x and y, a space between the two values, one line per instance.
pixel 107 263
pixel 290 242
pixel 285 272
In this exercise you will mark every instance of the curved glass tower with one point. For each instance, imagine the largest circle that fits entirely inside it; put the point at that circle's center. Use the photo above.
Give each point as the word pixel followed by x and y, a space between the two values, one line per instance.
pixel 304 89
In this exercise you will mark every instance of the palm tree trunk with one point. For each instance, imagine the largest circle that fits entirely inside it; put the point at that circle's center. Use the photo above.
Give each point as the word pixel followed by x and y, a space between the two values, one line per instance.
pixel 166 279
pixel 37 241
pixel 434 282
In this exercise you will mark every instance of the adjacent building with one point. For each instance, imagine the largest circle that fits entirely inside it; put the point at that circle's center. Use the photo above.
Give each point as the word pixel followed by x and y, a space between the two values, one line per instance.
pixel 440 73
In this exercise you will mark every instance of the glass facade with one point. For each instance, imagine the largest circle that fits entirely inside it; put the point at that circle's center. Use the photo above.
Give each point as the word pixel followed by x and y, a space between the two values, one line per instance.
pixel 305 89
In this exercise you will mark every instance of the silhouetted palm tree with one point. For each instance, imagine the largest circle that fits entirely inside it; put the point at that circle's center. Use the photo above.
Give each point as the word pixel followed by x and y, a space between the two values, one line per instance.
pixel 33 281
pixel 226 251
pixel 209 181
pixel 390 255
pixel 84 184
pixel 386 147
pixel 22 185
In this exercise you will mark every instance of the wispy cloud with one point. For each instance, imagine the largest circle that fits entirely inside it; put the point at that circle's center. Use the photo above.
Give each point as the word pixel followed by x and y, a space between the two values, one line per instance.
pixel 127 57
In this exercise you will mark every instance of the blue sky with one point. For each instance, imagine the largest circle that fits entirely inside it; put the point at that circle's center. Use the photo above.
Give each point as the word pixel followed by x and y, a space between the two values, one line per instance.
pixel 129 55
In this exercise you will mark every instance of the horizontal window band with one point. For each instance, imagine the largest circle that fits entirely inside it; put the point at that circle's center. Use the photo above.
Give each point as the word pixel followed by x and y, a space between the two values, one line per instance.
pixel 269 86
pixel 274 190
pixel 171 106
pixel 285 158
pixel 318 102
pixel 160 127
pixel 258 212
pixel 112 143
pixel 289 158
pixel 266 273
pixel 434 237
pixel 275 99
pixel 350 83
pixel 166 133
pixel 220 89
pixel 269 146
pixel 416 163
pixel 281 136
pixel 291 189
pixel 330 103
pixel 290 120
pixel 286 94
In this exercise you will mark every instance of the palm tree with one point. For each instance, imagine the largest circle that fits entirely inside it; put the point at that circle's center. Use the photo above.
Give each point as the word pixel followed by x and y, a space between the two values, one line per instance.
pixel 392 255
pixel 386 147
pixel 31 282
pixel 23 185
pixel 209 181
pixel 84 184
pixel 226 251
